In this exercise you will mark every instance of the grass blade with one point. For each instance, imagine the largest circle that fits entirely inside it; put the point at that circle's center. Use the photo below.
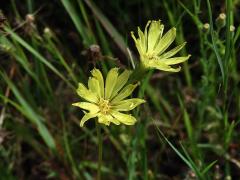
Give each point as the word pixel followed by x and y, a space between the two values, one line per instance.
pixel 77 21
pixel 219 59
pixel 30 114
pixel 112 31
pixel 36 54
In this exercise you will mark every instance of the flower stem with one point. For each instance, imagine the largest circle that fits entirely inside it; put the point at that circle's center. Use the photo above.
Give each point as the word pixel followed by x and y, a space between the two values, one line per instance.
pixel 99 150
pixel 138 74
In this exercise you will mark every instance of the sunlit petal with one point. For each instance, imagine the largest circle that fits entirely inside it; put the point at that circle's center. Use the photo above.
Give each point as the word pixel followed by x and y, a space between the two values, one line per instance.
pixel 172 52
pixel 142 41
pixel 165 41
pixel 111 81
pixel 105 119
pixel 153 35
pixel 93 85
pixel 124 118
pixel 137 43
pixel 175 60
pixel 161 65
pixel 92 108
pixel 125 92
pixel 86 94
pixel 87 117
pixel 128 104
pixel 98 75
pixel 121 81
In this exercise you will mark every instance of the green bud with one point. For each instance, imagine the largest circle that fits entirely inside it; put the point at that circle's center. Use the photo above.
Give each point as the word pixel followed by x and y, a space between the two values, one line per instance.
pixel 221 21
pixel 206 28
pixel 5 48
pixel 232 28
pixel 228 178
pixel 47 32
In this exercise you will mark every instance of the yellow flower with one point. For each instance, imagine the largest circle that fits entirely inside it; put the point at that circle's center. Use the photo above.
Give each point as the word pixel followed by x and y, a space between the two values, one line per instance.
pixel 151 46
pixel 107 100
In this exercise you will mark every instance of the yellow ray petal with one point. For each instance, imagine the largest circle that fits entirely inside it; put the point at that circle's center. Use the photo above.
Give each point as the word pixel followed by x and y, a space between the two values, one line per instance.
pixel 87 117
pixel 111 80
pixel 128 104
pixel 154 33
pixel 165 41
pixel 175 60
pixel 98 75
pixel 125 92
pixel 121 81
pixel 92 108
pixel 172 52
pixel 93 85
pixel 137 43
pixel 107 119
pixel 160 65
pixel 142 41
pixel 104 119
pixel 86 94
pixel 123 118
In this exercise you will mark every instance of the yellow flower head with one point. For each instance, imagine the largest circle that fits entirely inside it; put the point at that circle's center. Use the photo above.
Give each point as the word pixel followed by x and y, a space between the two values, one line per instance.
pixel 152 45
pixel 107 100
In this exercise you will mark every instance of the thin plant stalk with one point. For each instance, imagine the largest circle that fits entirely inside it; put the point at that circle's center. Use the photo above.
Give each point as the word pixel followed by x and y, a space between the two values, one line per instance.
pixel 99 135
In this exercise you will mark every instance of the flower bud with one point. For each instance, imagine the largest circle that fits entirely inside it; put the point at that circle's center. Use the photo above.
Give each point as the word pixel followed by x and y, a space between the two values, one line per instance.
pixel 30 18
pixel 228 177
pixel 5 48
pixel 206 28
pixel 47 32
pixel 221 21
pixel 232 28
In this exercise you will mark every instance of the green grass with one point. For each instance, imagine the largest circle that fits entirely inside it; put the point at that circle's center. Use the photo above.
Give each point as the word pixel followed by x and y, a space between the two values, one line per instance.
pixel 189 126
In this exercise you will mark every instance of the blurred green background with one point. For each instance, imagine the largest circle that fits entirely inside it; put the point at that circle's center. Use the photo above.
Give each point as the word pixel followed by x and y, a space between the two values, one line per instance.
pixel 189 127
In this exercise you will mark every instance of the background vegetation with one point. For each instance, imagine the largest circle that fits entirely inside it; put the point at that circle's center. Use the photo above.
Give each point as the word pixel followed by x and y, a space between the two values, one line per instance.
pixel 189 127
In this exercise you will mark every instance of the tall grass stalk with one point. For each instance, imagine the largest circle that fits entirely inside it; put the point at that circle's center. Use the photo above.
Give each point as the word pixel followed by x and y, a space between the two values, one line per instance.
pixel 100 150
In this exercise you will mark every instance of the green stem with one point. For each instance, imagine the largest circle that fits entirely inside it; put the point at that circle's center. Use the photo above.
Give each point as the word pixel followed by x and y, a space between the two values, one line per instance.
pixel 138 74
pixel 99 150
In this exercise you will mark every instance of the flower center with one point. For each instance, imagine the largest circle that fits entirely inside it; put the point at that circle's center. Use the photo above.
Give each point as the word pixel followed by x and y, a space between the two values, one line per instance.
pixel 104 106
pixel 150 55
